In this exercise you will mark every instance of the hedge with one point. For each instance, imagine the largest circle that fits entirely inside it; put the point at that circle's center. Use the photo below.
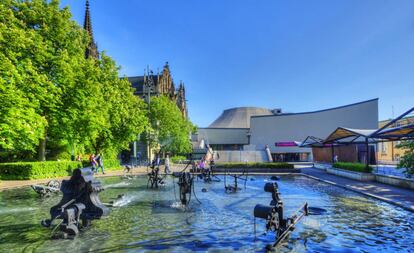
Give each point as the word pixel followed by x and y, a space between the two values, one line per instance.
pixel 37 170
pixel 48 169
pixel 178 158
pixel 256 165
pixel 358 167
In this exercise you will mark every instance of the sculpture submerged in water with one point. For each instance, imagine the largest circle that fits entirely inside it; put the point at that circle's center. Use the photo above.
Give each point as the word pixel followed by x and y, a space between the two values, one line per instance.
pixel 233 188
pixel 274 215
pixel 80 204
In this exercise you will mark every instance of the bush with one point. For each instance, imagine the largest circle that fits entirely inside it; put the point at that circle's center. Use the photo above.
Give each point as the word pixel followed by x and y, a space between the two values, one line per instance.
pixel 177 158
pixel 37 170
pixel 255 165
pixel 358 167
pixel 407 160
pixel 112 164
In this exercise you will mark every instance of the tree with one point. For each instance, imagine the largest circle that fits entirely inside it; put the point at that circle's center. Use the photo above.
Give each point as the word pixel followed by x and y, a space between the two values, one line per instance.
pixel 51 94
pixel 21 126
pixel 407 160
pixel 169 128
pixel 48 54
pixel 124 113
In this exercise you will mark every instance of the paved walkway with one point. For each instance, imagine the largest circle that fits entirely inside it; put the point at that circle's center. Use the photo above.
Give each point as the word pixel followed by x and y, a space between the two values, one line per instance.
pixel 398 196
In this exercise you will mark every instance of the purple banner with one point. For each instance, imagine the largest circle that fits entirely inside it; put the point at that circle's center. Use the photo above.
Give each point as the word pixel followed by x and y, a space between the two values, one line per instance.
pixel 286 144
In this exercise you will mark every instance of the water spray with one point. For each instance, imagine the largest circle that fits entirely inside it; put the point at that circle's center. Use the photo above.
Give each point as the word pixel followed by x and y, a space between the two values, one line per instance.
pixel 47 190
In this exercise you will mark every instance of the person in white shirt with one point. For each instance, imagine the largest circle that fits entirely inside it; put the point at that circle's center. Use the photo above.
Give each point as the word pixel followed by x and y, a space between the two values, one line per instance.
pixel 167 165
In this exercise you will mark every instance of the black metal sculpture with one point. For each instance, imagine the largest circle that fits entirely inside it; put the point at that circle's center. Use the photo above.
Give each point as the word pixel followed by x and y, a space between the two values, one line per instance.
pixel 208 175
pixel 48 189
pixel 154 178
pixel 80 204
pixel 234 187
pixel 185 183
pixel 274 216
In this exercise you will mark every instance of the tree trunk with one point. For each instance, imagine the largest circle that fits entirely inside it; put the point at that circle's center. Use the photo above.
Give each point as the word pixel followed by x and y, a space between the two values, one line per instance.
pixel 42 149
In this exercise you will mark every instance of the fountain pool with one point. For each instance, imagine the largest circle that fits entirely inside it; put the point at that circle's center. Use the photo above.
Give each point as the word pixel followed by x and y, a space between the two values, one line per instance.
pixel 152 220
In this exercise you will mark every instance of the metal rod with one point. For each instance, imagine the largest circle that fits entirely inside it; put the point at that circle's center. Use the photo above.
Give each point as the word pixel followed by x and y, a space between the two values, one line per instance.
pixel 393 121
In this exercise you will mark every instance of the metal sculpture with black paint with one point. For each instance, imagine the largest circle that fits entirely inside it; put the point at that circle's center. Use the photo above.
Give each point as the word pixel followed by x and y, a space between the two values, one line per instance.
pixel 232 188
pixel 274 215
pixel 80 204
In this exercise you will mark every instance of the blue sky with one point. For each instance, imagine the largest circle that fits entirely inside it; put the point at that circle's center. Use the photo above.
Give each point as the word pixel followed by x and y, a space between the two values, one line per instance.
pixel 295 55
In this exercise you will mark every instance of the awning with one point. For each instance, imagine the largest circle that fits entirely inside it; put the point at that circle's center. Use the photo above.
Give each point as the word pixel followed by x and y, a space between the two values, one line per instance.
pixel 312 141
pixel 349 135
pixel 396 133
pixel 344 135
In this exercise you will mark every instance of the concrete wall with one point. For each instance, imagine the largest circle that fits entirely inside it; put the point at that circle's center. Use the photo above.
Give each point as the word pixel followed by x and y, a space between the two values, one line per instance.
pixel 222 135
pixel 266 130
pixel 240 156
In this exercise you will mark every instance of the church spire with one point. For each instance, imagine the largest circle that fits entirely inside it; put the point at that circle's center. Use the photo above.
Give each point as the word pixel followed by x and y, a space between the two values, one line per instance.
pixel 92 49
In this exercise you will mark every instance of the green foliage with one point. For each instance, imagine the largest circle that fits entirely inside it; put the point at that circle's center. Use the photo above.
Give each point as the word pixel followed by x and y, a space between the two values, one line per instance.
pixel 169 127
pixel 178 158
pixel 112 164
pixel 256 165
pixel 124 113
pixel 49 91
pixel 407 160
pixel 21 125
pixel 358 167
pixel 37 170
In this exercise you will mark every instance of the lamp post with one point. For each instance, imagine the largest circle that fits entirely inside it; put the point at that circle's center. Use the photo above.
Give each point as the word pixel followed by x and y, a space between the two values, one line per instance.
pixel 148 84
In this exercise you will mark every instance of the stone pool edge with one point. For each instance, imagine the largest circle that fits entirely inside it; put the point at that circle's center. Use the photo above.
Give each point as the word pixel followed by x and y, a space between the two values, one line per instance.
pixel 405 207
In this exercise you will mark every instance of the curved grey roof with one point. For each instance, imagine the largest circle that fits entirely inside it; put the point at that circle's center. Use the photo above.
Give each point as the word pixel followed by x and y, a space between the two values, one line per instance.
pixel 324 110
pixel 238 117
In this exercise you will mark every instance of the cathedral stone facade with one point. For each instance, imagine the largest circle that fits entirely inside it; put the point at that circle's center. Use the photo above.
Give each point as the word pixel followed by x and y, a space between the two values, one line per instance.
pixel 145 86
pixel 148 84
pixel 92 49
pixel 160 84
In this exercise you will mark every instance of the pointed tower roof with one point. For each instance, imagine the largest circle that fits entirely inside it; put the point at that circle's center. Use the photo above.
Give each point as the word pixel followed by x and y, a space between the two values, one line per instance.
pixel 92 49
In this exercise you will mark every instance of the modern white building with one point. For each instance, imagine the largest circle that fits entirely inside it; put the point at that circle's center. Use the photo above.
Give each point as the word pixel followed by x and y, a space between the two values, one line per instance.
pixel 249 129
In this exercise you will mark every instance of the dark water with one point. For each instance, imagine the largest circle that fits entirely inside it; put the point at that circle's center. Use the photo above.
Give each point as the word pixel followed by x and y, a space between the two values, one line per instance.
pixel 150 221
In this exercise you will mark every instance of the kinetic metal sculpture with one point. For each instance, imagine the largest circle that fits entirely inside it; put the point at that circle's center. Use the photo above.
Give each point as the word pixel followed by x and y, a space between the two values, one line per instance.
pixel 154 178
pixel 80 204
pixel 274 216
pixel 208 176
pixel 48 189
pixel 185 183
pixel 234 187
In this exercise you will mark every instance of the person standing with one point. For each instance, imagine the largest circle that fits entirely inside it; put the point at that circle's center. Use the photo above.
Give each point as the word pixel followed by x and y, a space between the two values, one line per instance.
pixel 202 165
pixel 167 165
pixel 158 161
pixel 92 161
pixel 99 160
